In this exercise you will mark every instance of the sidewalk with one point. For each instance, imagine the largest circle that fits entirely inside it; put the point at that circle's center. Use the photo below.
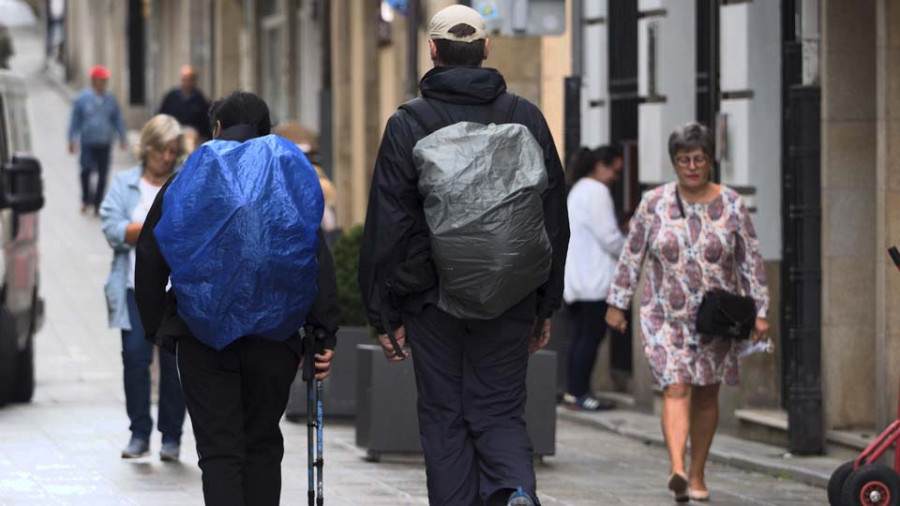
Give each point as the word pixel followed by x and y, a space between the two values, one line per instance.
pixel 726 449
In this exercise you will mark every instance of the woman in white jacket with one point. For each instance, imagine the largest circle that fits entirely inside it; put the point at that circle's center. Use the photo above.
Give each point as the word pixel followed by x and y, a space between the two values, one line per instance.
pixel 594 248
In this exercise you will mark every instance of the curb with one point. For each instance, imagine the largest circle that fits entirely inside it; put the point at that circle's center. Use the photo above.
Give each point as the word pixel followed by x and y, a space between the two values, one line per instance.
pixel 743 462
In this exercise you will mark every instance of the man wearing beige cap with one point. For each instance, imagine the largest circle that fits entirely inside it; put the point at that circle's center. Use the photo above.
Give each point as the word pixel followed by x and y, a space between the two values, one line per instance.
pixel 464 252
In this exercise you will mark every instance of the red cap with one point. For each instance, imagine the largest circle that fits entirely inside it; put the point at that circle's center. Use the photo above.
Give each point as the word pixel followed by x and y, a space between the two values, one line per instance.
pixel 99 72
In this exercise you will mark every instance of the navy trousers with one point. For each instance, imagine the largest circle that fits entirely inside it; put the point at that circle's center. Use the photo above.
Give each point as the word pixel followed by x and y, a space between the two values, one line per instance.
pixel 94 159
pixel 471 377
pixel 588 330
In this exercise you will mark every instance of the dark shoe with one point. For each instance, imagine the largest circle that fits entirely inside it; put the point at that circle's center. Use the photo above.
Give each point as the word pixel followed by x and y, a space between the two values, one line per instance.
pixel 678 484
pixel 170 452
pixel 587 403
pixel 520 498
pixel 136 449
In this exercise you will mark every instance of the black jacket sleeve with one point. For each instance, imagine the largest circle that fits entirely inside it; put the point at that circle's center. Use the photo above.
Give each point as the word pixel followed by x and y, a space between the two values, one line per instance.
pixel 325 313
pixel 151 272
pixel 395 221
pixel 556 221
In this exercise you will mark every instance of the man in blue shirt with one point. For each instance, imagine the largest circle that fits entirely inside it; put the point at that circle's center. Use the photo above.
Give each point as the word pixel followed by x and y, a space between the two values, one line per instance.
pixel 96 120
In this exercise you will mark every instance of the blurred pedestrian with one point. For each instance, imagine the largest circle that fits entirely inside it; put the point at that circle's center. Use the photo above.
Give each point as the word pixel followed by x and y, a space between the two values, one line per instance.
pixel 308 142
pixel 699 237
pixel 96 121
pixel 237 394
pixel 123 213
pixel 6 46
pixel 464 248
pixel 594 247
pixel 189 106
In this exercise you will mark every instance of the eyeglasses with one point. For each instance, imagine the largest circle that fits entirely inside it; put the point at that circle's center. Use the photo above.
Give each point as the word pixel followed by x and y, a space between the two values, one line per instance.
pixel 168 150
pixel 685 161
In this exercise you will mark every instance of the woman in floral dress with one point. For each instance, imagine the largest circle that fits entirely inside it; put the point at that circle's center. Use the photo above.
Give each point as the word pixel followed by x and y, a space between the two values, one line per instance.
pixel 712 245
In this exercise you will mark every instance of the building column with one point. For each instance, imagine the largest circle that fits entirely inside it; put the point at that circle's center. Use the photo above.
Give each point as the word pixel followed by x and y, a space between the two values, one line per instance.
pixel 355 82
pixel 887 159
pixel 850 199
pixel 666 80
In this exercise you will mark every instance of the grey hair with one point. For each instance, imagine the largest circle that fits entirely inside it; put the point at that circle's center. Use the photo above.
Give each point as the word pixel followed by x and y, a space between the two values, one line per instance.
pixel 691 136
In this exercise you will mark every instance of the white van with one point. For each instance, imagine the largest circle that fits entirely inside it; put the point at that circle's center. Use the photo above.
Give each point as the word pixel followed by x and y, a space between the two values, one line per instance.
pixel 21 196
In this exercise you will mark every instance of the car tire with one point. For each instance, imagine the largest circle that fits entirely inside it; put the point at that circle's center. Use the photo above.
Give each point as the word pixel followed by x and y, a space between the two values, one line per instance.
pixel 24 390
pixel 9 356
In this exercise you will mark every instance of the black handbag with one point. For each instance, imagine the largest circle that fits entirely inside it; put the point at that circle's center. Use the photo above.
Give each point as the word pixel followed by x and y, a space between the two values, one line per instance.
pixel 727 315
pixel 721 312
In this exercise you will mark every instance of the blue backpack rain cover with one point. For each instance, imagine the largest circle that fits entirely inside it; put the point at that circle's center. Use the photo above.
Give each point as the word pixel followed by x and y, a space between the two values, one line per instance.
pixel 238 231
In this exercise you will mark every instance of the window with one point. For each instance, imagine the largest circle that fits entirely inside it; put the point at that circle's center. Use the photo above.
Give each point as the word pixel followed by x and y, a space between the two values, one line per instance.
pixel 4 142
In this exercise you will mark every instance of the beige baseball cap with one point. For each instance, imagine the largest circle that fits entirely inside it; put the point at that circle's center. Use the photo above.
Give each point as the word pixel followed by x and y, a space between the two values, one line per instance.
pixel 451 16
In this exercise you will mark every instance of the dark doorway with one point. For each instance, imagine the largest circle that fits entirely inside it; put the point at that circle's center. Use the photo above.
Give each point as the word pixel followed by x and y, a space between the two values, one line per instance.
pixel 623 116
pixel 137 86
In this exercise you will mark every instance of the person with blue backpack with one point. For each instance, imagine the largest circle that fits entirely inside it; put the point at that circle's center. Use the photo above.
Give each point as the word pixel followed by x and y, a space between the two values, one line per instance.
pixel 236 234
pixel 463 256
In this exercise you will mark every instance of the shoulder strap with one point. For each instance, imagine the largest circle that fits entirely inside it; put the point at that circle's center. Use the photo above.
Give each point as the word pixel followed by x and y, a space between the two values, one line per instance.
pixel 426 114
pixel 503 108
pixel 430 118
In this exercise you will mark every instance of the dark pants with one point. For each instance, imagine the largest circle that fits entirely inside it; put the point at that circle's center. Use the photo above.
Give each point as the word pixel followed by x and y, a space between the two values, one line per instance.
pixel 137 354
pixel 471 380
pixel 236 397
pixel 94 158
pixel 588 330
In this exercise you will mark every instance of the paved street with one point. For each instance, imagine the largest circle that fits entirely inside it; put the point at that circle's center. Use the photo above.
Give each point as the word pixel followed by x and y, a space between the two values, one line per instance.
pixel 63 448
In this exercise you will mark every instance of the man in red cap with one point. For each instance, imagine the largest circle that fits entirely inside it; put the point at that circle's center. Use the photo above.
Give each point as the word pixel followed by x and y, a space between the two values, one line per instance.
pixel 96 121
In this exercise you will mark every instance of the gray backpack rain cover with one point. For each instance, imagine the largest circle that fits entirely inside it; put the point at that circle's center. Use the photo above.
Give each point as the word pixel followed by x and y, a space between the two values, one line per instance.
pixel 482 187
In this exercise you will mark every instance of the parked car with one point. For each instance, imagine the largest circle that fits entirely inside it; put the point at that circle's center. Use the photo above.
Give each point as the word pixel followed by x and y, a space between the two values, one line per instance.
pixel 21 197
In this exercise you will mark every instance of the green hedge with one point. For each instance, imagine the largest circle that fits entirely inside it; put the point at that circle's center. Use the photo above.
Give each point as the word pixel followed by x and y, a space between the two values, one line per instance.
pixel 346 265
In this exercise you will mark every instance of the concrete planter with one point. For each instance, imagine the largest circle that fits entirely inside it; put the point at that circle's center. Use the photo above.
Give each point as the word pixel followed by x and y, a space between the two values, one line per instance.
pixel 559 343
pixel 387 421
pixel 339 388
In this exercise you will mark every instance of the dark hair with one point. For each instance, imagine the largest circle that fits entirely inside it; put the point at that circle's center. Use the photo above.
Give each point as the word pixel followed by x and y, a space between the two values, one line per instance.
pixel 453 53
pixel 462 30
pixel 585 160
pixel 241 108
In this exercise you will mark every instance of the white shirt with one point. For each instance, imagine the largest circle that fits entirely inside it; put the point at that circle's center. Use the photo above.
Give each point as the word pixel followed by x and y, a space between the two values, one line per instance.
pixel 595 242
pixel 138 215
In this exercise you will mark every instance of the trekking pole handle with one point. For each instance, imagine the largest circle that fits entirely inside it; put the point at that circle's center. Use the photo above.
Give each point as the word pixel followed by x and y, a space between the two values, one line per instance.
pixel 398 351
pixel 311 342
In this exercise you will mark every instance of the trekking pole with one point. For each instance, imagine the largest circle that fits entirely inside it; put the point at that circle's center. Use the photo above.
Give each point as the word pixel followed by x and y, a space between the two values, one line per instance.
pixel 320 444
pixel 309 375
pixel 386 323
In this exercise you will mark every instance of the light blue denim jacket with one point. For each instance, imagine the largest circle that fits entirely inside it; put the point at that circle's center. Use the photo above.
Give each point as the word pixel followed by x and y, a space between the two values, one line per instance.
pixel 97 122
pixel 115 215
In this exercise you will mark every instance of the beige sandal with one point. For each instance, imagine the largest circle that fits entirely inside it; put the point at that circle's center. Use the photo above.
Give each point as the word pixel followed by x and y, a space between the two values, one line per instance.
pixel 678 484
pixel 699 495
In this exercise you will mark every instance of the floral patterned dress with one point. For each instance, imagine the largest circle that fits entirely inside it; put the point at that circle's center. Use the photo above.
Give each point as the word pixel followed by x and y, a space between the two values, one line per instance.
pixel 713 246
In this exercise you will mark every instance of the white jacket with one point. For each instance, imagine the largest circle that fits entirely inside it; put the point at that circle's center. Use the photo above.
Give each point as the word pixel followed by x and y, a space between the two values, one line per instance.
pixel 595 243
